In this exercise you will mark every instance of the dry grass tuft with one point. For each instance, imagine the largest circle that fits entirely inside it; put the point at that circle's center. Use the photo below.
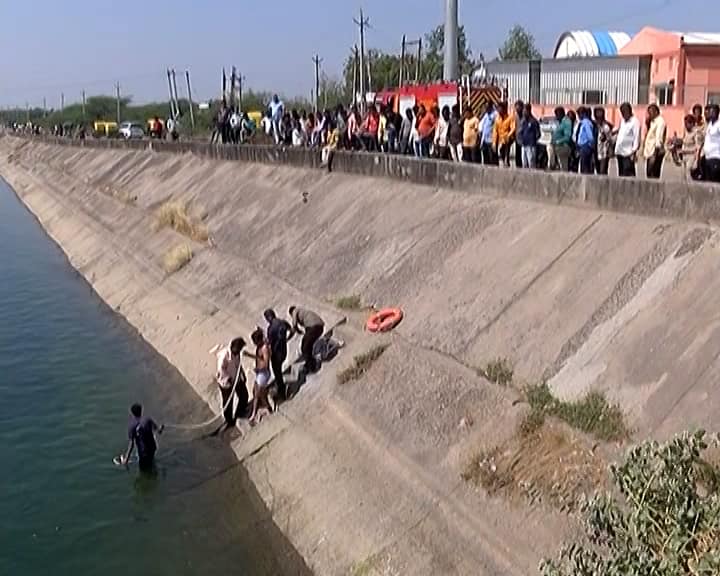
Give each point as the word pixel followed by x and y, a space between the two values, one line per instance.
pixel 498 371
pixel 353 302
pixel 175 215
pixel 177 258
pixel 361 364
pixel 551 466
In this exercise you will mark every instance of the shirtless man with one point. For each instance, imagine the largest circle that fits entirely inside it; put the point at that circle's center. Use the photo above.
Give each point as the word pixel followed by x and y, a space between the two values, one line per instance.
pixel 262 374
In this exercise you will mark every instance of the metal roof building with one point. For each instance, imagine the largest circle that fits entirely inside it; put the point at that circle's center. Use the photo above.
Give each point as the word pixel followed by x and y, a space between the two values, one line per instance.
pixel 586 44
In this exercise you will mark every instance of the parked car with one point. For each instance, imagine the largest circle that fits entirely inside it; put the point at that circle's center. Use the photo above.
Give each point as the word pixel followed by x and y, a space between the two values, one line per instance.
pixel 131 130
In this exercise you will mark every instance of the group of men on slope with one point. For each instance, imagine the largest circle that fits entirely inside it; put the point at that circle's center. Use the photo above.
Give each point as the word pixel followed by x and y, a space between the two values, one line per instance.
pixel 269 356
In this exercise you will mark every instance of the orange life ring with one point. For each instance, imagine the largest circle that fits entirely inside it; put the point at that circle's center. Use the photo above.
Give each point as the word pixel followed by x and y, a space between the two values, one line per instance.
pixel 384 320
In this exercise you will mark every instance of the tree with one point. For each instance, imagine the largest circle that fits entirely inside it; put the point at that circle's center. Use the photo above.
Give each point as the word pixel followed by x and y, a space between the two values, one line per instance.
pixel 519 45
pixel 664 521
pixel 434 47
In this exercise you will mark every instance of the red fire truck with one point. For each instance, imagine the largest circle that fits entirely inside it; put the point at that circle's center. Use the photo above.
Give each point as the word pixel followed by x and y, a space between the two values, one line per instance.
pixel 467 94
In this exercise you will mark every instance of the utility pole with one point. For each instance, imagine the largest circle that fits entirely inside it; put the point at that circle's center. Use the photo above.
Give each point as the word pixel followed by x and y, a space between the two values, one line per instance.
pixel 44 107
pixel 190 100
pixel 317 61
pixel 117 92
pixel 419 61
pixel 83 104
pixel 450 63
pixel 355 71
pixel 362 23
pixel 27 112
pixel 173 113
pixel 62 105
pixel 224 86
pixel 233 82
pixel 174 93
pixel 240 91
pixel 402 63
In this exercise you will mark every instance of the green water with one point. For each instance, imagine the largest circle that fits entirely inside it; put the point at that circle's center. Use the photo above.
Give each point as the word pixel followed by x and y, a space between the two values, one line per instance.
pixel 69 369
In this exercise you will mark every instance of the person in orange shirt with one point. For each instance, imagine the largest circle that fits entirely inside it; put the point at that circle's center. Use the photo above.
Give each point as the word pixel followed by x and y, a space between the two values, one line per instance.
pixel 471 131
pixel 426 130
pixel 503 133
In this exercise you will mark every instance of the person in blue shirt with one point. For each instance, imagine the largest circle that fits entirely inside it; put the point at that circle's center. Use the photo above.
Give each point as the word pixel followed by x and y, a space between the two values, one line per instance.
pixel 585 140
pixel 528 137
pixel 560 142
pixel 141 433
pixel 486 136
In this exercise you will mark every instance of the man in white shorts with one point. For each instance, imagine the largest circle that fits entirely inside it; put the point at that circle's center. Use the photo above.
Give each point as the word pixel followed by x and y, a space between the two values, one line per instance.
pixel 262 374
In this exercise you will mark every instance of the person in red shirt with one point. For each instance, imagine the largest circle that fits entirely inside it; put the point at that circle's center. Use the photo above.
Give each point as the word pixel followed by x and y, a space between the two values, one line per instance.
pixel 370 127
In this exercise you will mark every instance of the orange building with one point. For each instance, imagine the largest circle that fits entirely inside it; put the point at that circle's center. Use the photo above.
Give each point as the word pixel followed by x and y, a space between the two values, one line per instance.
pixel 685 67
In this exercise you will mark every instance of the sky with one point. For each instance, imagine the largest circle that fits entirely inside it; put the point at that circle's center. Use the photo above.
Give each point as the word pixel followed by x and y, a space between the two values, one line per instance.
pixel 49 47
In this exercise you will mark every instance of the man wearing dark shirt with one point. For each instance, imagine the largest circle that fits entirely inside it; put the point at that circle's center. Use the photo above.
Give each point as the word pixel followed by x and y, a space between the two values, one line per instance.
pixel 312 327
pixel 277 335
pixel 141 433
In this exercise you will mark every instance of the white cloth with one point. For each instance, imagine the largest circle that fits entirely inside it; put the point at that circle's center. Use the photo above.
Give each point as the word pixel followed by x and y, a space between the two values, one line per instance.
pixel 266 125
pixel 711 148
pixel 628 137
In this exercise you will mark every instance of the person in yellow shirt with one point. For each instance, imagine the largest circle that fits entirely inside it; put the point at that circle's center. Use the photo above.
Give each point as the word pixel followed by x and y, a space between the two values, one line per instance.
pixel 471 132
pixel 503 132
pixel 654 149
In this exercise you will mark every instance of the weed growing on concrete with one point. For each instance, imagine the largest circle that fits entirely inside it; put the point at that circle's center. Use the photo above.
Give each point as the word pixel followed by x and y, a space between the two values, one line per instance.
pixel 353 302
pixel 364 568
pixel 361 364
pixel 592 414
pixel 498 371
pixel 177 258
pixel 175 215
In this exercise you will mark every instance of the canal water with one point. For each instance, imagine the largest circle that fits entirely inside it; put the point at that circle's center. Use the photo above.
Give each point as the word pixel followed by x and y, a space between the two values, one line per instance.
pixel 69 369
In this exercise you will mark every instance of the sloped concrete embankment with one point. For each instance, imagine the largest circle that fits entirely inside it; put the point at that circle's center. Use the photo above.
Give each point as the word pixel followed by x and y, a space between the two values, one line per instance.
pixel 366 477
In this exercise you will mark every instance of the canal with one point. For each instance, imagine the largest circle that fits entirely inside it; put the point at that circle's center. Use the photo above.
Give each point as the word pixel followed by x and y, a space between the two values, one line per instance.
pixel 69 369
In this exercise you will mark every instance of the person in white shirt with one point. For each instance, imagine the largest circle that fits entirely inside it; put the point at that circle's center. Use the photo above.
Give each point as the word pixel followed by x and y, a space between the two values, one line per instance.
pixel 627 141
pixel 654 149
pixel 230 377
pixel 441 134
pixel 711 147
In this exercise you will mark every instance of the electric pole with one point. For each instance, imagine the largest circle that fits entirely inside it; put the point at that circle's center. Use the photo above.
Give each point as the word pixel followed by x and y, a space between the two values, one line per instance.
pixel 44 107
pixel 117 93
pixel 355 71
pixel 317 60
pixel 362 23
pixel 450 63
pixel 419 61
pixel 402 63
pixel 190 100
pixel 62 105
pixel 240 91
pixel 83 104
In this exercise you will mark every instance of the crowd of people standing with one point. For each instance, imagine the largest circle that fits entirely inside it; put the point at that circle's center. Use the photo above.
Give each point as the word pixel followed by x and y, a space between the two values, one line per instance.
pixel 581 140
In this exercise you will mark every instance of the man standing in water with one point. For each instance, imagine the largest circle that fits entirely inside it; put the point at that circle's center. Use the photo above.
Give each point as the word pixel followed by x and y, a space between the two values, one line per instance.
pixel 312 327
pixel 141 433
pixel 277 335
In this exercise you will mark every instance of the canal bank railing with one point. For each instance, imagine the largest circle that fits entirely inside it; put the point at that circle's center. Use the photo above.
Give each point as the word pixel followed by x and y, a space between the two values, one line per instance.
pixel 666 199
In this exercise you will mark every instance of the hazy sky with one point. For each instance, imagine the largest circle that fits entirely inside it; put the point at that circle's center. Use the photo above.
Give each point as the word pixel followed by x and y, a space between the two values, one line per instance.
pixel 53 46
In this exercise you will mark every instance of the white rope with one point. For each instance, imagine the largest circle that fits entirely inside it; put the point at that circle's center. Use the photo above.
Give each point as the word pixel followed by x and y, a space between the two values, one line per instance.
pixel 217 416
